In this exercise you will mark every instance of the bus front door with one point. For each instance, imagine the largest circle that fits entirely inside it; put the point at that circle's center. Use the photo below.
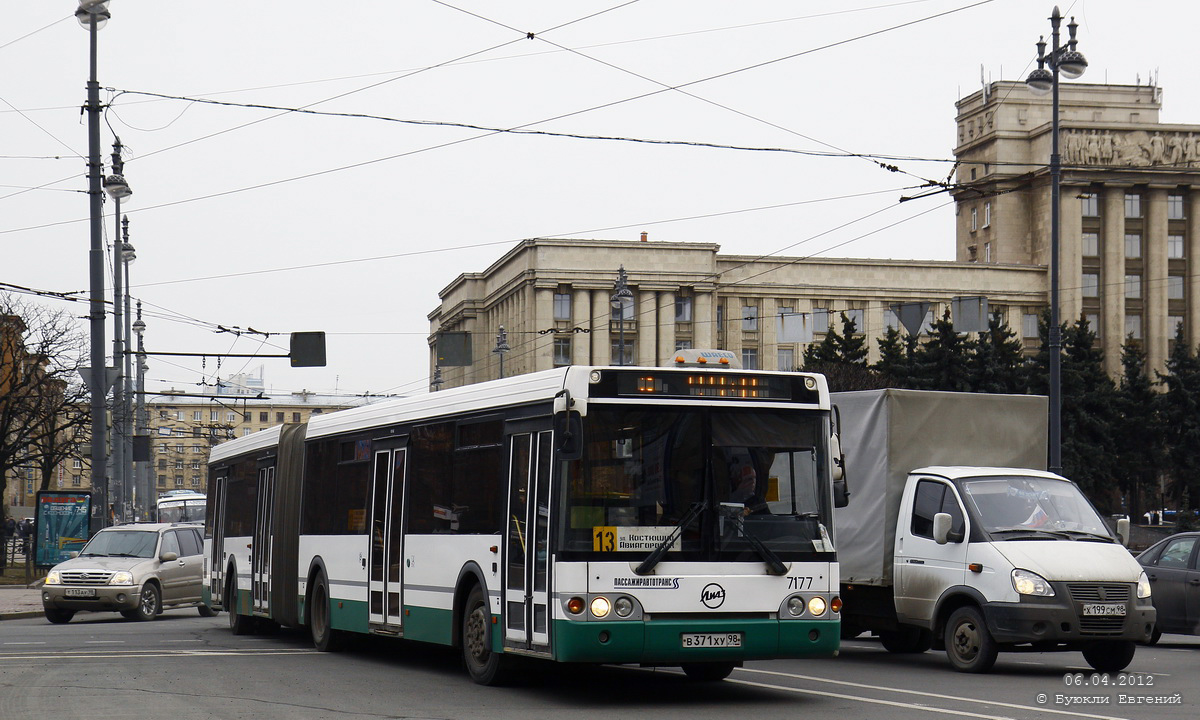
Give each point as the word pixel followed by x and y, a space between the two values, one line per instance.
pixel 260 557
pixel 526 597
pixel 217 555
pixel 384 578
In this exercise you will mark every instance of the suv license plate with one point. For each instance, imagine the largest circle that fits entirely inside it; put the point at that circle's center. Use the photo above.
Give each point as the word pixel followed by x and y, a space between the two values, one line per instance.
pixel 712 640
pixel 1093 609
pixel 80 592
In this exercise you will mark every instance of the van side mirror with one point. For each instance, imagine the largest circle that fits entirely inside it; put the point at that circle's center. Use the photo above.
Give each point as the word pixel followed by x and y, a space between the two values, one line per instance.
pixel 169 556
pixel 941 528
pixel 1123 531
pixel 841 490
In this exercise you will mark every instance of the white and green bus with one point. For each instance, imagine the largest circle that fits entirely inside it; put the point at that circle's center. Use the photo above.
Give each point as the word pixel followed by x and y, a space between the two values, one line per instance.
pixel 658 516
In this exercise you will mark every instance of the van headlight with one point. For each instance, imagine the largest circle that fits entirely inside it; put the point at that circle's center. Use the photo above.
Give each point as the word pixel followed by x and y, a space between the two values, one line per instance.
pixel 1143 588
pixel 1030 583
pixel 121 578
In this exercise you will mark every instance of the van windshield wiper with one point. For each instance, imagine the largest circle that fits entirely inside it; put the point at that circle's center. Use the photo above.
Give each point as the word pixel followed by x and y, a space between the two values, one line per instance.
pixel 656 555
pixel 775 566
pixel 1030 531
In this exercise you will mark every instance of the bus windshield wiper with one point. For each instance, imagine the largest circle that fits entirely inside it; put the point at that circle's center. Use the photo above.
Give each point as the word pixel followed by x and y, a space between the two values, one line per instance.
pixel 656 556
pixel 775 566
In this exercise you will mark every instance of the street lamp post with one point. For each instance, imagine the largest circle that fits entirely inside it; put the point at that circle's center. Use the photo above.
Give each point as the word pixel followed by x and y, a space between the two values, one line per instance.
pixel 501 347
pixel 132 494
pixel 621 295
pixel 141 421
pixel 1071 64
pixel 92 14
pixel 118 189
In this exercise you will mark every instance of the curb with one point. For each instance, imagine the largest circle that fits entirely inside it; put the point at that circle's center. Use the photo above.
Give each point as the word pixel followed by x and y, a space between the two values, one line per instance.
pixel 24 614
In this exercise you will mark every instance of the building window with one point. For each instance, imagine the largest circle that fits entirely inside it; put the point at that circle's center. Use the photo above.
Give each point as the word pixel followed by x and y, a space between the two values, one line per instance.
pixel 163 415
pixel 179 449
pixel 1175 207
pixel 1133 205
pixel 247 417
pixel 890 320
pixel 278 417
pixel 295 417
pixel 1090 202
pixel 787 358
pixel 820 320
pixel 76 463
pixel 76 480
pixel 683 344
pixel 178 464
pixel 562 306
pixel 178 414
pixel 1091 244
pixel 231 417
pixel 987 214
pixel 1093 320
pixel 749 318
pixel 1133 245
pixel 195 481
pixel 1091 285
pixel 623 311
pixel 1029 325
pixel 562 351
pixel 162 463
pixel 1174 246
pixel 750 358
pixel 987 252
pixel 1175 287
pixel 178 481
pixel 1173 323
pixel 683 309
pixel 1133 286
pixel 163 449
pixel 629 352
pixel 855 315
pixel 195 465
pixel 162 481
pixel 1133 326
pixel 197 449
pixel 262 417
pixel 974 219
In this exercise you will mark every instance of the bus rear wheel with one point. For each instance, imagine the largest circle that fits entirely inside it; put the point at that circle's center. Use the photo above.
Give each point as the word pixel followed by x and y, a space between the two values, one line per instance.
pixel 485 667
pixel 324 637
pixel 239 624
pixel 708 672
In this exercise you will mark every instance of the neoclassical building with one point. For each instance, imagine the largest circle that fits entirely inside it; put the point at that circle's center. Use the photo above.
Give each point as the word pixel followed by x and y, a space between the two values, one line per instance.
pixel 1129 238
pixel 1130 223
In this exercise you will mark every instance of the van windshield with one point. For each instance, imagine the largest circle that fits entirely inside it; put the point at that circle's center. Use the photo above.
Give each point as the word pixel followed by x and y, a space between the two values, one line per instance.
pixel 1031 504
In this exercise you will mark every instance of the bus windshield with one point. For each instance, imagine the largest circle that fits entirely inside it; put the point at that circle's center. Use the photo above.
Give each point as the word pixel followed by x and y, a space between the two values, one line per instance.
pixel 742 472
pixel 181 510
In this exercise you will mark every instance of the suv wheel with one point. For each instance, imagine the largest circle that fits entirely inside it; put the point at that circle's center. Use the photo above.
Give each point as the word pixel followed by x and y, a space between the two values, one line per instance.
pixel 149 603
pixel 59 617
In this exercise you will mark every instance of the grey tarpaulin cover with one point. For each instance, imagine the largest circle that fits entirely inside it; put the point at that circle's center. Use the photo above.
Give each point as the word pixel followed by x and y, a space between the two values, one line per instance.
pixel 888 433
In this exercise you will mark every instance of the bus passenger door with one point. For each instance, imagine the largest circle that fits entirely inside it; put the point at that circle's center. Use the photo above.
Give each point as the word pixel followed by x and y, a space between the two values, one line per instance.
pixel 216 559
pixel 260 558
pixel 526 596
pixel 386 551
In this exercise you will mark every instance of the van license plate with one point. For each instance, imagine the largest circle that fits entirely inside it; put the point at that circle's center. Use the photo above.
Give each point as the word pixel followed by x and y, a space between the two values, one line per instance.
pixel 80 592
pixel 712 640
pixel 1093 609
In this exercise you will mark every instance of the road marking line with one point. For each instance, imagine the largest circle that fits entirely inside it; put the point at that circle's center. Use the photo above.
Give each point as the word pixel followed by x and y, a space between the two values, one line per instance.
pixel 939 696
pixel 23 643
pixel 104 642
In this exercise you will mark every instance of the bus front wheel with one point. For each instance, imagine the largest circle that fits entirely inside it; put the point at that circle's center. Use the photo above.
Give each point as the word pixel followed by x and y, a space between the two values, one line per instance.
pixel 239 624
pixel 486 667
pixel 708 672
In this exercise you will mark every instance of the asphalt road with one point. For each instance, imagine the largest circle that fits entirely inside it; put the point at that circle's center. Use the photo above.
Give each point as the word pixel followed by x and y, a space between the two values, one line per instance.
pixel 182 666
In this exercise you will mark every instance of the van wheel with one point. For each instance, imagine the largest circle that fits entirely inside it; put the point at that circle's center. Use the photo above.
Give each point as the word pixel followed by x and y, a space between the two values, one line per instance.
pixel 907 639
pixel 238 624
pixel 969 645
pixel 206 611
pixel 324 637
pixel 1110 656
pixel 149 603
pixel 1154 637
pixel 708 672
pixel 485 667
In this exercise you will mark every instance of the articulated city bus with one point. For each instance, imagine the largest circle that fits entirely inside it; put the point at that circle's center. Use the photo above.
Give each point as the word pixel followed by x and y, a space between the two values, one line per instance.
pixel 659 516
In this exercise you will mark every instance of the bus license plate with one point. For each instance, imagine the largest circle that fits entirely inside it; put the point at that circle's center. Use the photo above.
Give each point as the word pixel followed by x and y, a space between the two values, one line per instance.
pixel 80 592
pixel 1092 609
pixel 712 640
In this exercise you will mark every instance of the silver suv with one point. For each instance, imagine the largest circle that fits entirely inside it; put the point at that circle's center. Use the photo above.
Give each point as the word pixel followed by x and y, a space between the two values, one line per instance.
pixel 135 569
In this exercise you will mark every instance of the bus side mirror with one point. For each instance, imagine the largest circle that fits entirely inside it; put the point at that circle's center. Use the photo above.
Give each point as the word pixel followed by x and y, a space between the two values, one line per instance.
pixel 568 427
pixel 841 491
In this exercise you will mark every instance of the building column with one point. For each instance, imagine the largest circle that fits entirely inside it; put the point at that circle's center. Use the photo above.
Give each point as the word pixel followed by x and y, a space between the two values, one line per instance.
pixel 1154 283
pixel 1070 256
pixel 543 317
pixel 647 332
pixel 666 328
pixel 581 316
pixel 1191 254
pixel 733 325
pixel 1112 278
pixel 704 329
pixel 769 344
pixel 601 318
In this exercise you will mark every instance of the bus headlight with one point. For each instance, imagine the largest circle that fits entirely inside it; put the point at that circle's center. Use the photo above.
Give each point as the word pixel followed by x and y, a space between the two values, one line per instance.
pixel 795 605
pixel 817 606
pixel 600 606
pixel 623 607
pixel 1030 583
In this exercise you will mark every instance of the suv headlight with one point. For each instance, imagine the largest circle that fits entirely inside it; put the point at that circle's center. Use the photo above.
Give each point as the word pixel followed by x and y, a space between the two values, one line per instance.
pixel 1030 583
pixel 53 578
pixel 1143 588
pixel 121 578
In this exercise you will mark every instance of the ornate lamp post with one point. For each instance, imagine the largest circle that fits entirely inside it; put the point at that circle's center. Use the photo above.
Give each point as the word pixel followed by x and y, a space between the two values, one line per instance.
pixel 620 297
pixel 501 347
pixel 118 189
pixel 1071 64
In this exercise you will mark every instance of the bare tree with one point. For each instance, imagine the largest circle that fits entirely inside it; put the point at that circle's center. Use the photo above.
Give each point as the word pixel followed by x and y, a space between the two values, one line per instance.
pixel 43 399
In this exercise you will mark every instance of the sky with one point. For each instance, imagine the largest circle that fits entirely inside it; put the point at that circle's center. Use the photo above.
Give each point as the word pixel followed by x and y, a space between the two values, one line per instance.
pixel 351 216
